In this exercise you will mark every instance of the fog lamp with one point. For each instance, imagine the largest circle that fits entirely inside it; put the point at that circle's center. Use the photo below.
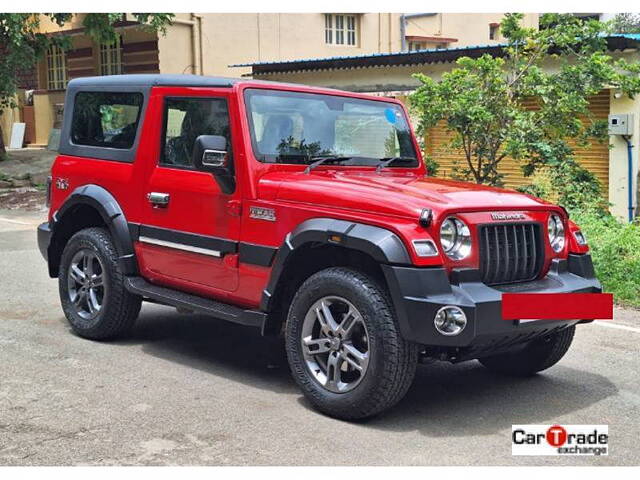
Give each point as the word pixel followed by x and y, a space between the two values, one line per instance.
pixel 450 320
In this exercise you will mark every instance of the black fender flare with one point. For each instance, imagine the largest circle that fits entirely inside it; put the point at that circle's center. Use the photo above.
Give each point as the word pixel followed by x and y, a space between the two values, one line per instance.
pixel 384 246
pixel 113 216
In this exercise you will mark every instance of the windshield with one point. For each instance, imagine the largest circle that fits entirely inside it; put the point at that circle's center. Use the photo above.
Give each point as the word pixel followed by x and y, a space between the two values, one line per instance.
pixel 298 128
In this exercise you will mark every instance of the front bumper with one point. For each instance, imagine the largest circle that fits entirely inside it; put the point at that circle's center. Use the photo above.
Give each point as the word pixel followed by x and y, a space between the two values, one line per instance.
pixel 418 293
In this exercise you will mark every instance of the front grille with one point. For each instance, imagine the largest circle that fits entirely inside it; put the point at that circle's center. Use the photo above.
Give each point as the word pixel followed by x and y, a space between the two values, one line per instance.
pixel 510 252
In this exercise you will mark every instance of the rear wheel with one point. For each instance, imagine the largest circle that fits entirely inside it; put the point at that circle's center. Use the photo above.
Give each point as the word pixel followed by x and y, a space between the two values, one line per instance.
pixel 344 347
pixel 92 291
pixel 534 357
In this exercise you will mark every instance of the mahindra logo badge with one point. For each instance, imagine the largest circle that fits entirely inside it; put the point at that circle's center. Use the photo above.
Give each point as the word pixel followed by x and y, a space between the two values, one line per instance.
pixel 261 213
pixel 507 216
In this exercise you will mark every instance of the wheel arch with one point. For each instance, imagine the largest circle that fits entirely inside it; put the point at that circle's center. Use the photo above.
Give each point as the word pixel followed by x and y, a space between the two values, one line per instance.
pixel 322 243
pixel 91 206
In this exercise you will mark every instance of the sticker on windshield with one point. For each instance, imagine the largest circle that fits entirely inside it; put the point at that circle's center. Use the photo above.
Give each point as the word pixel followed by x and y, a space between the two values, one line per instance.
pixel 390 114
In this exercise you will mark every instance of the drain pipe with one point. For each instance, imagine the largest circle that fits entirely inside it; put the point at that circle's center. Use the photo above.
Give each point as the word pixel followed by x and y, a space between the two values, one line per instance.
pixel 196 40
pixel 630 175
pixel 403 30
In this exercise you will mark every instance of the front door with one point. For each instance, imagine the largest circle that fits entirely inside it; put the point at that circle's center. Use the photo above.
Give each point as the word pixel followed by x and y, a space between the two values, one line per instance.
pixel 188 237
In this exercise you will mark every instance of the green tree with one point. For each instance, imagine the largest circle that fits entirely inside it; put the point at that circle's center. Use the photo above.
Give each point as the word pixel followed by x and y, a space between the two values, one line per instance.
pixel 625 23
pixel 22 44
pixel 483 101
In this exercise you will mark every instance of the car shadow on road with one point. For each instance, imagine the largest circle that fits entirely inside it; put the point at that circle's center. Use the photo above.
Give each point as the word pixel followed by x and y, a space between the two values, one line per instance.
pixel 214 346
pixel 467 399
pixel 445 400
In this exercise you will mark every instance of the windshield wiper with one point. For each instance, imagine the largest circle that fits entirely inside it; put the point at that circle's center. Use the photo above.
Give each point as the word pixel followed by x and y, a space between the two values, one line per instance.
pixel 385 162
pixel 319 160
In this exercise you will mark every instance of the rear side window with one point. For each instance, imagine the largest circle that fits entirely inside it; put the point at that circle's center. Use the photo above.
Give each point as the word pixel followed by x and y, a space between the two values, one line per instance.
pixel 103 119
pixel 185 119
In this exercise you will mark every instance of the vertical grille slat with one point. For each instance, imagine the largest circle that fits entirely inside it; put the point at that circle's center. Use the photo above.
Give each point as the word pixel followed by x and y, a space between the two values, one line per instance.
pixel 498 264
pixel 510 252
pixel 533 251
pixel 516 260
pixel 487 256
pixel 525 257
pixel 507 267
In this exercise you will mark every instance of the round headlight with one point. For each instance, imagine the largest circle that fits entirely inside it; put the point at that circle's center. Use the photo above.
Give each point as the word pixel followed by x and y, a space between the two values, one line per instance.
pixel 555 228
pixel 455 238
pixel 448 234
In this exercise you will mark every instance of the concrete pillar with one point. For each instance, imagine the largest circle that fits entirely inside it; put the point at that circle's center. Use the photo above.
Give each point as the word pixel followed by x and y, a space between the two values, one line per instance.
pixel 618 165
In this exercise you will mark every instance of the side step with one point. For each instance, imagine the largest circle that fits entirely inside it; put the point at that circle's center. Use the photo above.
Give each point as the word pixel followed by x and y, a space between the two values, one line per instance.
pixel 178 299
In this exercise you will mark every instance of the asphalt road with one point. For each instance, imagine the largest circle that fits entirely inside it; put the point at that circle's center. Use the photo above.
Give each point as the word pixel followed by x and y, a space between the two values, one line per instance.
pixel 186 389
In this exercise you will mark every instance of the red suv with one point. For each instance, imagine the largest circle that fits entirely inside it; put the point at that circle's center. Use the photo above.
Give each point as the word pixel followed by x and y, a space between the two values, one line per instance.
pixel 301 211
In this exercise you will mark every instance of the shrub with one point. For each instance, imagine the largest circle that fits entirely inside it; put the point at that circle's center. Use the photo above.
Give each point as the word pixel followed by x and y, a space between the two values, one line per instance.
pixel 569 184
pixel 615 246
pixel 615 249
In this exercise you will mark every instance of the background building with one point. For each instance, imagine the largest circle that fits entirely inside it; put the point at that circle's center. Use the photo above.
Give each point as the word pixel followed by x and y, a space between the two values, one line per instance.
pixel 206 44
pixel 447 30
pixel 365 52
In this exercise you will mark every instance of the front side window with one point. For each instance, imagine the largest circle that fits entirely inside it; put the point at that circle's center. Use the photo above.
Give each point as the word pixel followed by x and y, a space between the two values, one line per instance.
pixel 56 68
pixel 298 128
pixel 111 58
pixel 340 29
pixel 185 119
pixel 106 119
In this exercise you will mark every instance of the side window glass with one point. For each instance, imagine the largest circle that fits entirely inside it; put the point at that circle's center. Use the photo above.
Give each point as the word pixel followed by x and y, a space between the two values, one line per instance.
pixel 103 119
pixel 185 119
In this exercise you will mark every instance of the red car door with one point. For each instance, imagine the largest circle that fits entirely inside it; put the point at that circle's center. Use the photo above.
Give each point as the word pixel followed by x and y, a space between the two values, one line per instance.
pixel 189 233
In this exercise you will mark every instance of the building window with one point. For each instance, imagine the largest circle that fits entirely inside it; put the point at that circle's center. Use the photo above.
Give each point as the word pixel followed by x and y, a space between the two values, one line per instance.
pixel 351 30
pixel 328 28
pixel 340 29
pixel 56 68
pixel 494 31
pixel 415 46
pixel 111 58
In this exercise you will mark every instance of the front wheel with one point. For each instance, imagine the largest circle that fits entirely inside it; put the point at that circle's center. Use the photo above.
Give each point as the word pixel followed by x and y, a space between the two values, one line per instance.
pixel 344 346
pixel 534 357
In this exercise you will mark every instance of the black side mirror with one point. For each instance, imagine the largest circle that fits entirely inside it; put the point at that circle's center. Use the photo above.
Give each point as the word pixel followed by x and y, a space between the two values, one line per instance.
pixel 210 155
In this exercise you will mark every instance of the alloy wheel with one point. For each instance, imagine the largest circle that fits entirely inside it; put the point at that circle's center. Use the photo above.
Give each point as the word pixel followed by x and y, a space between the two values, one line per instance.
pixel 335 344
pixel 86 285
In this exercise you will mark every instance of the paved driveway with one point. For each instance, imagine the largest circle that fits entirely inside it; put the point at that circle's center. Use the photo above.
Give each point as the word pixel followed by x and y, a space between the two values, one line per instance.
pixel 186 389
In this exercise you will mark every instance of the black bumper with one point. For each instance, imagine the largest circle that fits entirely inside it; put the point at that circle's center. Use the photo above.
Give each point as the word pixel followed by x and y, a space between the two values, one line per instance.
pixel 418 293
pixel 44 239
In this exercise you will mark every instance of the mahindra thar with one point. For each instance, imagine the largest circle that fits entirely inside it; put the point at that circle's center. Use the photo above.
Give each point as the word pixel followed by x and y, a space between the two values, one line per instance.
pixel 305 212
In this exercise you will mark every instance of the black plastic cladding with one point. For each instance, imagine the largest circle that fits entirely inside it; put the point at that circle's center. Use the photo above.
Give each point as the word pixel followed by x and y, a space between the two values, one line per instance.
pixel 383 246
pixel 112 215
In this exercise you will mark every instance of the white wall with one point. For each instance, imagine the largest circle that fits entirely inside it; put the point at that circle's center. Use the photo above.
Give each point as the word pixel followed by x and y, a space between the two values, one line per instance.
pixel 618 159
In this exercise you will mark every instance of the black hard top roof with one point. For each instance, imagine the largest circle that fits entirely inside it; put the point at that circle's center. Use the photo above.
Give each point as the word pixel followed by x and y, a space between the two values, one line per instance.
pixel 152 80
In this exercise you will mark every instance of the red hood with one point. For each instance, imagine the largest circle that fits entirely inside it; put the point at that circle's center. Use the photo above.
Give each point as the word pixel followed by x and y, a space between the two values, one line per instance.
pixel 397 194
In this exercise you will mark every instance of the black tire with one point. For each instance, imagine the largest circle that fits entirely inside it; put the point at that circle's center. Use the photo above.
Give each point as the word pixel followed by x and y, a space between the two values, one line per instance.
pixel 119 308
pixel 392 360
pixel 536 356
